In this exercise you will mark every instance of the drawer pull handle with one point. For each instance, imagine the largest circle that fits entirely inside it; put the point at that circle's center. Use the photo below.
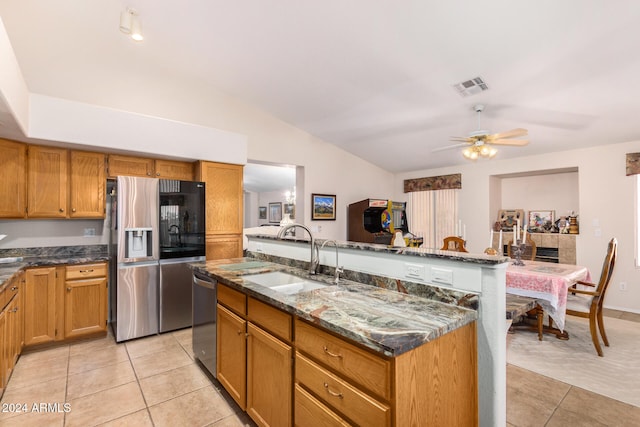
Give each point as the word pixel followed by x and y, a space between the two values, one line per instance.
pixel 332 393
pixel 326 350
pixel 86 271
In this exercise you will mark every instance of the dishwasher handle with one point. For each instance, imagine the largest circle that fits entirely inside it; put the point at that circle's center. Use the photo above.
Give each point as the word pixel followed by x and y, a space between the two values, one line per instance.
pixel 206 282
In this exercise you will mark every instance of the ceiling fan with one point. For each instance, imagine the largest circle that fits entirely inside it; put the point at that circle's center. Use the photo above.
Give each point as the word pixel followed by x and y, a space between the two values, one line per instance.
pixel 479 142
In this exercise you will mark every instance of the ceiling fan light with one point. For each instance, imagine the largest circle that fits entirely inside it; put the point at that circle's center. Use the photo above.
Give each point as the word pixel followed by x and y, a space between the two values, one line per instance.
pixel 484 151
pixel 492 152
pixel 467 152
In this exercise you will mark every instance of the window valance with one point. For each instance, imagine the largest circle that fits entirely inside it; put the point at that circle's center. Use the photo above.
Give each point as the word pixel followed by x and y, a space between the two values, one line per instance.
pixel 633 164
pixel 441 182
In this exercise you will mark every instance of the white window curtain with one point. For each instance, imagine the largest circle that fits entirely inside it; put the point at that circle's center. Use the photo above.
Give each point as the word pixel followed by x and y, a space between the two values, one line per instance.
pixel 434 215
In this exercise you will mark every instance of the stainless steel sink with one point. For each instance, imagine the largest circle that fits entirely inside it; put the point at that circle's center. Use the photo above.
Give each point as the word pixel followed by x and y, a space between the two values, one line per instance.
pixel 284 282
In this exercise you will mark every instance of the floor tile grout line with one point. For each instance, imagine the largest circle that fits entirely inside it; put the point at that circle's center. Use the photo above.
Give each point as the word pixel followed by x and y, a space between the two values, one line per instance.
pixel 558 405
pixel 135 373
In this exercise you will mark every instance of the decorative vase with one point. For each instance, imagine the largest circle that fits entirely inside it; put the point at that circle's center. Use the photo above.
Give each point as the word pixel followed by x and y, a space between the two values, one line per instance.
pixel 286 219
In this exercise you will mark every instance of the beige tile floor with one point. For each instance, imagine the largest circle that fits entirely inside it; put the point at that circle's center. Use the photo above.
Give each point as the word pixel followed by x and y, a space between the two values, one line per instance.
pixel 154 381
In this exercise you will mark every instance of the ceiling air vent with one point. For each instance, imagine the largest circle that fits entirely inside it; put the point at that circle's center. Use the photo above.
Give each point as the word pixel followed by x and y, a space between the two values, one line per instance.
pixel 471 87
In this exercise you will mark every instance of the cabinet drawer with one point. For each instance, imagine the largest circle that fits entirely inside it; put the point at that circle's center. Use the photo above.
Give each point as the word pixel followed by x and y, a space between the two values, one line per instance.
pixel 340 395
pixel 270 318
pixel 86 271
pixel 364 368
pixel 309 411
pixel 235 300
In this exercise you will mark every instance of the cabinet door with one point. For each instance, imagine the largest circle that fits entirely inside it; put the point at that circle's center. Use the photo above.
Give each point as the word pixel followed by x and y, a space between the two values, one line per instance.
pixel 11 336
pixel 223 186
pixel 222 247
pixel 47 182
pixel 231 352
pixel 13 179
pixel 169 169
pixel 40 306
pixel 87 189
pixel 3 349
pixel 269 378
pixel 85 307
pixel 126 165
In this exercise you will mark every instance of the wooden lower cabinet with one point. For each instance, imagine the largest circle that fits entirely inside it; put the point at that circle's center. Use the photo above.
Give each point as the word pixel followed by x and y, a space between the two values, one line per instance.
pixel 252 364
pixel 231 354
pixel 335 382
pixel 65 302
pixel 40 305
pixel 85 300
pixel 11 326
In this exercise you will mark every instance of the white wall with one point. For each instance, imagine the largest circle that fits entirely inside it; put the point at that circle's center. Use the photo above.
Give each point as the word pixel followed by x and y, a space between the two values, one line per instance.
pixel 557 192
pixel 606 197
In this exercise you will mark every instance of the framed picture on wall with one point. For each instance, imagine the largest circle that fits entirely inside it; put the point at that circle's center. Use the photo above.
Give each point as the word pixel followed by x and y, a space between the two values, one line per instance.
pixel 275 212
pixel 262 212
pixel 540 220
pixel 290 208
pixel 323 206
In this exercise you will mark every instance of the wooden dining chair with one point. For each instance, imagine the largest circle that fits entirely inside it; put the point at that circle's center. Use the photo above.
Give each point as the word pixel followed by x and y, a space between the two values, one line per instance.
pixel 529 249
pixel 453 243
pixel 588 303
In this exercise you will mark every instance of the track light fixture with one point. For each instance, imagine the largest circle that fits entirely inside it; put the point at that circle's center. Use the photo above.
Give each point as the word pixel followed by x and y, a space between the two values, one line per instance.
pixel 130 24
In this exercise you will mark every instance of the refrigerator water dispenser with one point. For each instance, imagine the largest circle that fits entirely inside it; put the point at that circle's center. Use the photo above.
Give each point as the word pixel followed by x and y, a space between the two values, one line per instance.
pixel 138 243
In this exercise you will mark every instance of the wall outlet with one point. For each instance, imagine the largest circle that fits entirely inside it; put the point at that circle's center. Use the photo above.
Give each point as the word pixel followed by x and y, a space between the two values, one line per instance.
pixel 89 232
pixel 623 286
pixel 415 271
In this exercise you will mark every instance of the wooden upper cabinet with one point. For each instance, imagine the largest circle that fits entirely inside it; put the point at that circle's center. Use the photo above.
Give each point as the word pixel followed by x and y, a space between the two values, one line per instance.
pixel 223 189
pixel 171 169
pixel 13 179
pixel 132 166
pixel 47 182
pixel 150 168
pixel 87 188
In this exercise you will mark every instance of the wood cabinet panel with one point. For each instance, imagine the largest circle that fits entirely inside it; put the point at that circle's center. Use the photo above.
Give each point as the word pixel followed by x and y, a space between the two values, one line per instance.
pixel 364 368
pixel 231 354
pixel 309 411
pixel 11 323
pixel 87 185
pixel 47 182
pixel 224 201
pixel 85 307
pixel 40 306
pixel 128 165
pixel 339 394
pixel 223 247
pixel 86 271
pixel 235 300
pixel 270 318
pixel 269 379
pixel 13 179
pixel 171 169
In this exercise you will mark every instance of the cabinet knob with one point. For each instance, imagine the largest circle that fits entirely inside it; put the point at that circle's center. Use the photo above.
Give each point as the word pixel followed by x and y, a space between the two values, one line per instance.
pixel 157 173
pixel 148 173
pixel 69 289
pixel 14 288
pixel 73 210
pixel 61 210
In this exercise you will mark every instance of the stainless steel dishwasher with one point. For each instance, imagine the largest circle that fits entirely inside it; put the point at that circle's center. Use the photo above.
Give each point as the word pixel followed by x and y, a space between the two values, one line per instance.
pixel 205 299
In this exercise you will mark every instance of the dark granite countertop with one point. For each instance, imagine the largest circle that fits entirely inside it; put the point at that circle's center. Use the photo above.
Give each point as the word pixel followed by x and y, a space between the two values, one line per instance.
pixel 383 320
pixel 8 270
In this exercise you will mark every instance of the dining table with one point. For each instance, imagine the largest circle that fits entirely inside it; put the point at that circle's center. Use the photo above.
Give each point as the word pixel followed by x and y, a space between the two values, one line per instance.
pixel 548 283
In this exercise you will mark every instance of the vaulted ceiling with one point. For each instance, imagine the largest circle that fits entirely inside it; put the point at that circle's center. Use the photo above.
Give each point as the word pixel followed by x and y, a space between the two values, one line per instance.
pixel 375 78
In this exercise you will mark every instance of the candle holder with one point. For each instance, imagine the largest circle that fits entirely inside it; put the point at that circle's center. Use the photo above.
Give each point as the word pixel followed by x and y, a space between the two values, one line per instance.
pixel 517 250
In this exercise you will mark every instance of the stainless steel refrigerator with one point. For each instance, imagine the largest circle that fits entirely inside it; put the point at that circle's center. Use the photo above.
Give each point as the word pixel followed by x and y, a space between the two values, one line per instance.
pixel 157 229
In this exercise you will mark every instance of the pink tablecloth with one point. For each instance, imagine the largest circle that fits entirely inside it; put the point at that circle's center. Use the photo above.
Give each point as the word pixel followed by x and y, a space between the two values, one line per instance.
pixel 546 282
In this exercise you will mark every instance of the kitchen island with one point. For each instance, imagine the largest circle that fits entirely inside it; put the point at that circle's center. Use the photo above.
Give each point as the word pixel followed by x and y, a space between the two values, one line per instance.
pixel 361 354
pixel 475 281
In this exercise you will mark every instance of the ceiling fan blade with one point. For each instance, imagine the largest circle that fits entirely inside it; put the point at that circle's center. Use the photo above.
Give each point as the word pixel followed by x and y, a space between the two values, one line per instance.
pixel 461 138
pixel 508 134
pixel 449 147
pixel 517 142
